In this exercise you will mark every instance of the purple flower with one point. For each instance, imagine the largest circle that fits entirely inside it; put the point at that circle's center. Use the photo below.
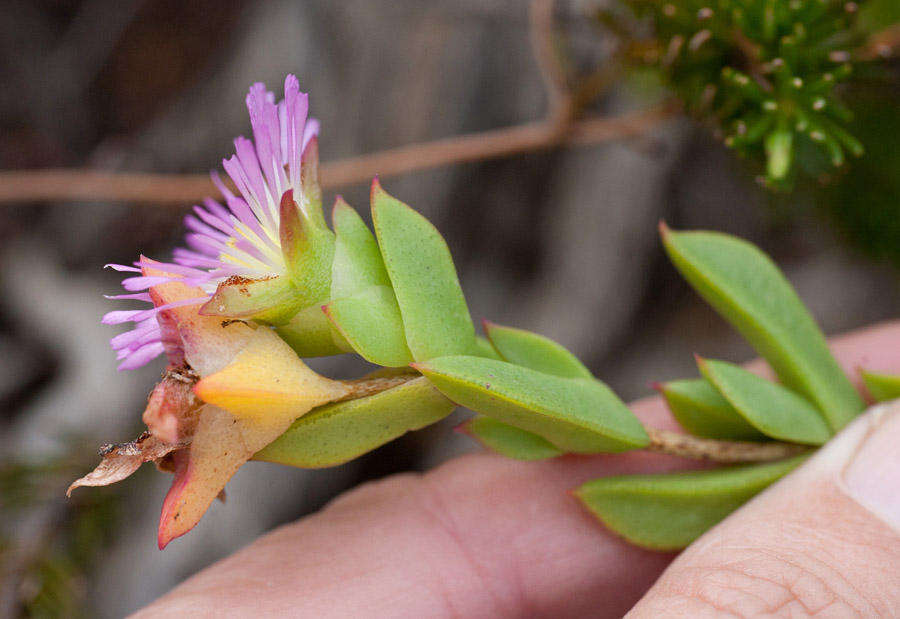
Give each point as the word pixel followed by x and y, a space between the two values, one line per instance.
pixel 238 239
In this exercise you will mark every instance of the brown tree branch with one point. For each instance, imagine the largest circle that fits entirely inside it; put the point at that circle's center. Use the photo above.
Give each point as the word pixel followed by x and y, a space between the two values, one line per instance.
pixel 181 189
pixel 540 17
pixel 557 129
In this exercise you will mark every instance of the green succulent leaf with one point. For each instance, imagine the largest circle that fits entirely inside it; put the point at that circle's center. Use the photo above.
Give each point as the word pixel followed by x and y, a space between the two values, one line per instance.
pixel 435 315
pixel 575 414
pixel 668 512
pixel 357 260
pixel 308 248
pixel 701 410
pixel 882 387
pixel 336 433
pixel 779 153
pixel 772 409
pixel 748 290
pixel 508 440
pixel 273 300
pixel 311 194
pixel 484 348
pixel 535 352
pixel 311 334
pixel 370 321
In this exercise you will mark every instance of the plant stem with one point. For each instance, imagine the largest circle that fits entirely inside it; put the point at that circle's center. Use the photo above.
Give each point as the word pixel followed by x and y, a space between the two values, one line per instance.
pixel 363 387
pixel 180 189
pixel 726 452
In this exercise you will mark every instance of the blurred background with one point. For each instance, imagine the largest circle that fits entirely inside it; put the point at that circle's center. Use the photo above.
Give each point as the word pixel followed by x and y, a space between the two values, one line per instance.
pixel 552 236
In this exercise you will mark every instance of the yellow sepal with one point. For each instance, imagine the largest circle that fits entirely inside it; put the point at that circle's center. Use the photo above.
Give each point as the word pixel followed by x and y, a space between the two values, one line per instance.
pixel 266 382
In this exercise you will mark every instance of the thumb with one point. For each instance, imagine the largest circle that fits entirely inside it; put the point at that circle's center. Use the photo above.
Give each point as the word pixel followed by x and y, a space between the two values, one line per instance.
pixel 824 540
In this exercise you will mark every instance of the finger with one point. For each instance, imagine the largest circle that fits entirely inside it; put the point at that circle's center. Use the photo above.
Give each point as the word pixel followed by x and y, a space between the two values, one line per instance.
pixel 479 536
pixel 824 541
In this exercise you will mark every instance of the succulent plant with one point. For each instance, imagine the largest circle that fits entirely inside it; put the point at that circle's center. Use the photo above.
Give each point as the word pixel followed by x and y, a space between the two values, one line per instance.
pixel 764 72
pixel 269 283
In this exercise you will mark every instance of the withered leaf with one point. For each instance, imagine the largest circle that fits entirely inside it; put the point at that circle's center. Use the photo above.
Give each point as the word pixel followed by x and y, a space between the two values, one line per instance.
pixel 123 459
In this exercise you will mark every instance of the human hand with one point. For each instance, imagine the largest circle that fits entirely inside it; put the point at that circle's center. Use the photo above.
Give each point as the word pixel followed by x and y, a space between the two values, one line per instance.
pixel 483 536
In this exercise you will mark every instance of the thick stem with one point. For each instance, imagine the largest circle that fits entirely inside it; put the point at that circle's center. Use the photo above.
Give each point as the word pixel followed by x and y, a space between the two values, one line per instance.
pixel 726 452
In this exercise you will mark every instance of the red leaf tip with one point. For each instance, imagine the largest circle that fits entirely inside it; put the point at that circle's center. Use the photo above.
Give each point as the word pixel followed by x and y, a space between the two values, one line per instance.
pixel 463 428
pixel 664 229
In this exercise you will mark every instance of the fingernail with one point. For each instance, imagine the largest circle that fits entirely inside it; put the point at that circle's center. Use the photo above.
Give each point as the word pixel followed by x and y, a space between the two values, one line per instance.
pixel 872 478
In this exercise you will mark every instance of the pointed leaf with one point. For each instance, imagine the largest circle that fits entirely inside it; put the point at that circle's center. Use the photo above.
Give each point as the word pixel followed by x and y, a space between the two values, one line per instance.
pixel 772 409
pixel 576 415
pixel 311 334
pixel 668 512
pixel 779 146
pixel 535 351
pixel 748 290
pixel 273 300
pixel 357 261
pixel 336 433
pixel 267 381
pixel 484 348
pixel 435 316
pixel 701 410
pixel 881 387
pixel 508 440
pixel 370 321
pixel 311 196
pixel 308 248
pixel 222 443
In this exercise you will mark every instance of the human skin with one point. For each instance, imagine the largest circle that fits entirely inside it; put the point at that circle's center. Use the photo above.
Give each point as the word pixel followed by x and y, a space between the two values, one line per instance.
pixel 484 536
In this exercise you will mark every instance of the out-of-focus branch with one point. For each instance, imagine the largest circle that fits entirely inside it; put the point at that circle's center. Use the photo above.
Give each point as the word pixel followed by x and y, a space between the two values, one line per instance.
pixel 180 189
pixel 543 46
pixel 561 126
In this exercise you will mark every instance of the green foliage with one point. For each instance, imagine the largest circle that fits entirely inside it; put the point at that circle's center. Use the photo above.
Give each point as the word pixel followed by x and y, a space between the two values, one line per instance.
pixel 311 334
pixel 370 321
pixel 748 290
pixel 357 259
pixel 668 512
pixel 763 71
pixel 774 410
pixel 308 248
pixel 575 414
pixel 395 300
pixel 701 410
pixel 435 315
pixel 535 351
pixel 484 348
pixel 882 387
pixel 508 440
pixel 272 301
pixel 336 433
